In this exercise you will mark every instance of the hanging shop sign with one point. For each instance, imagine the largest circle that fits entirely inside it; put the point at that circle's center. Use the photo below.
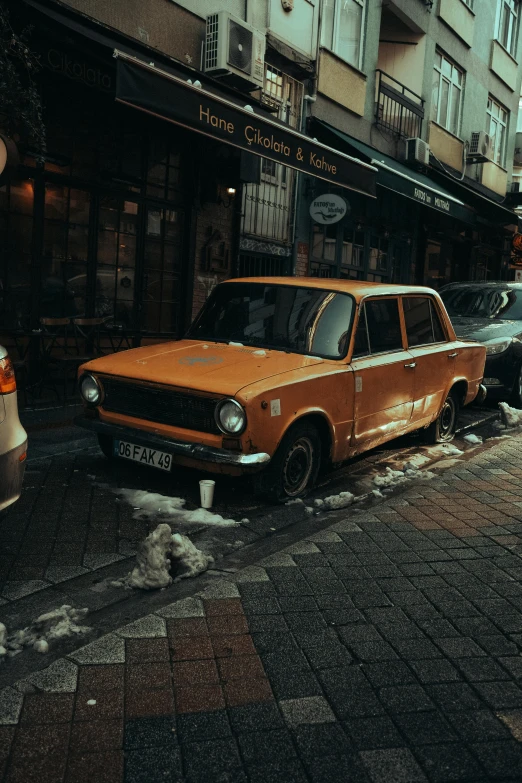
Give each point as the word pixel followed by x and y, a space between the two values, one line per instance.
pixel 191 106
pixel 328 208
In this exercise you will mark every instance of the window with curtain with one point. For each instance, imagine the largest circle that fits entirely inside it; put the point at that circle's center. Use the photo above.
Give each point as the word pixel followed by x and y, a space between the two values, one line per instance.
pixel 508 20
pixel 342 29
pixel 496 126
pixel 448 82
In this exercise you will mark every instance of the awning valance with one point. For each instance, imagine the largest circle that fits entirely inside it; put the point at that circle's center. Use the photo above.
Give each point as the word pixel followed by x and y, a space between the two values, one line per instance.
pixel 159 93
pixel 411 184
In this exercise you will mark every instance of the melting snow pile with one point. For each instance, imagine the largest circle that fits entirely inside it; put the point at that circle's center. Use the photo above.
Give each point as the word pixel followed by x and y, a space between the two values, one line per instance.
pixel 152 504
pixel 475 440
pixel 157 554
pixel 392 478
pixel 445 449
pixel 56 624
pixel 511 417
pixel 342 500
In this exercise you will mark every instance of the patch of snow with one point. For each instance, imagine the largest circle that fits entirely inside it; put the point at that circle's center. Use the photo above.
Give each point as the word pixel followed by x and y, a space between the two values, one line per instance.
pixel 152 504
pixel 377 493
pixel 189 557
pixel 245 521
pixel 155 556
pixel 309 509
pixel 236 345
pixel 259 353
pixel 444 450
pixel 475 440
pixel 91 702
pixel 3 634
pixel 389 479
pixel 295 502
pixel 342 500
pixel 318 502
pixel 416 461
pixel 511 417
pixel 152 569
pixel 56 624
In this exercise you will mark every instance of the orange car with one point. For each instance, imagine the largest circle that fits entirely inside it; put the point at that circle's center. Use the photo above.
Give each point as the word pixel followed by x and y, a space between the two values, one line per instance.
pixel 278 376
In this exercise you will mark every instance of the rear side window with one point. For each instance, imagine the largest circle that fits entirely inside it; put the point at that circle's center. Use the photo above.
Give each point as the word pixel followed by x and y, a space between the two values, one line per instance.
pixel 423 325
pixel 379 328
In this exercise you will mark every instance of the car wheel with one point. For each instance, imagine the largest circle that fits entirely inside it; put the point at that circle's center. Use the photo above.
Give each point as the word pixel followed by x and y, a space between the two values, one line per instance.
pixel 442 430
pixel 294 467
pixel 105 444
pixel 516 397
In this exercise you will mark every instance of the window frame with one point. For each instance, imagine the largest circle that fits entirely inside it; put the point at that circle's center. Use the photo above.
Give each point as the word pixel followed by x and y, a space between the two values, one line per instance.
pixel 499 152
pixel 511 7
pixel 433 308
pixel 333 44
pixel 451 82
pixel 362 309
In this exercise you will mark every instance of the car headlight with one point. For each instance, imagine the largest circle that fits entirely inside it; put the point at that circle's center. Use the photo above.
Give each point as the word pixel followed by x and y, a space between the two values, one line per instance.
pixel 497 346
pixel 230 417
pixel 90 389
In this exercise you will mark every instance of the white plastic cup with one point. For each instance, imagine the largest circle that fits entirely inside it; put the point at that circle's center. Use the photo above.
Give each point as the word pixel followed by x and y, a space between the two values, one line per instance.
pixel 206 492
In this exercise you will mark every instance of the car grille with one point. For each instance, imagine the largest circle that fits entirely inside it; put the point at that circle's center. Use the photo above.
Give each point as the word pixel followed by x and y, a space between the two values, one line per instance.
pixel 163 406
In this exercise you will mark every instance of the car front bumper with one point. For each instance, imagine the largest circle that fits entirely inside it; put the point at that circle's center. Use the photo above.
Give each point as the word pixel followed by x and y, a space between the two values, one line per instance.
pixel 12 469
pixel 193 451
pixel 500 374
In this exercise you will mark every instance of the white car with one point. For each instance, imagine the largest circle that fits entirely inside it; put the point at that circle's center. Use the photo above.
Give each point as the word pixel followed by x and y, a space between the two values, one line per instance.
pixel 13 437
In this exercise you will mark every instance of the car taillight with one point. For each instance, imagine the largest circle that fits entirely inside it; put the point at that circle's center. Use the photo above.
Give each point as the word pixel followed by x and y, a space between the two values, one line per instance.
pixel 7 376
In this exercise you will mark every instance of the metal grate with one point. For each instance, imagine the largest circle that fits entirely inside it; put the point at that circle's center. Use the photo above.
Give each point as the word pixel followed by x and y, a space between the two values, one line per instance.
pixel 252 265
pixel 160 405
pixel 211 42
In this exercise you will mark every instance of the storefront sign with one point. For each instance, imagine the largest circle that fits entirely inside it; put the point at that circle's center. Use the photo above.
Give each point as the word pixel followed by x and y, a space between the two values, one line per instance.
pixel 164 95
pixel 328 209
pixel 431 200
pixel 67 64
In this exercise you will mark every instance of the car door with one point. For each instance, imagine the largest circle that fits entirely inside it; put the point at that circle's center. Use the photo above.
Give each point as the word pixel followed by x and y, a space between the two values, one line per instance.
pixel 433 354
pixel 383 371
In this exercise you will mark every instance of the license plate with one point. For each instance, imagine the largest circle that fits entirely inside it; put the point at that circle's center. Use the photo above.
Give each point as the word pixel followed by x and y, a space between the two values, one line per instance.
pixel 143 455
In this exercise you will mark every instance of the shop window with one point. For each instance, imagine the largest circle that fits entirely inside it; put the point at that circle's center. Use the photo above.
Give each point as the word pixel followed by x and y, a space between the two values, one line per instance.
pixel 321 270
pixel 497 120
pixel 448 82
pixel 65 251
pixel 378 260
pixel 507 24
pixel 116 256
pixel 161 297
pixel 342 29
pixel 383 325
pixel 16 228
pixel 423 325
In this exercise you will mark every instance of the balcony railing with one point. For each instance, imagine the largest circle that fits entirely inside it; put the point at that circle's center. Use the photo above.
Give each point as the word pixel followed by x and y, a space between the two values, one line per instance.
pixel 398 109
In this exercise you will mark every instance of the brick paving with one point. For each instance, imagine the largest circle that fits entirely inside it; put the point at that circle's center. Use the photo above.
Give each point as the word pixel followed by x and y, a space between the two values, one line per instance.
pixel 386 648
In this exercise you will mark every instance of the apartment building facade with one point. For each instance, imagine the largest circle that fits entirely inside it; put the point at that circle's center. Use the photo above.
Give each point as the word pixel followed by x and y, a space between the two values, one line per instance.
pixel 191 157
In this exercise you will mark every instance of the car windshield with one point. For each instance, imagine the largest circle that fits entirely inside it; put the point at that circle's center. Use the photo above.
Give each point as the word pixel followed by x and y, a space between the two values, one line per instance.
pixel 483 301
pixel 287 318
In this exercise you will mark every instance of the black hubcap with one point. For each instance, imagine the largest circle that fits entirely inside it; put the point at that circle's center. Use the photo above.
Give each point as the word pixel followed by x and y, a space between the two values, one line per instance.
pixel 447 417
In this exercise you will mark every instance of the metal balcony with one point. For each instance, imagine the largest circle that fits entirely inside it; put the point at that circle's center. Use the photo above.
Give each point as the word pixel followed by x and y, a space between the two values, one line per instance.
pixel 398 109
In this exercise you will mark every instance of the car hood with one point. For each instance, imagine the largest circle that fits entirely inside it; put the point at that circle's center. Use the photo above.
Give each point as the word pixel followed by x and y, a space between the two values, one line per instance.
pixel 209 367
pixel 484 329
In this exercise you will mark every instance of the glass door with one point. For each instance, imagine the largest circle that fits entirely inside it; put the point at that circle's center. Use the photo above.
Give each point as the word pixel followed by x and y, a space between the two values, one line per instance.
pixel 161 304
pixel 116 259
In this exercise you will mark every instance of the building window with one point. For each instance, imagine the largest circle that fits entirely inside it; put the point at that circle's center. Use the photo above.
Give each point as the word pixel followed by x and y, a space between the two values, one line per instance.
pixel 469 3
pixel 507 33
pixel 448 81
pixel 497 128
pixel 342 29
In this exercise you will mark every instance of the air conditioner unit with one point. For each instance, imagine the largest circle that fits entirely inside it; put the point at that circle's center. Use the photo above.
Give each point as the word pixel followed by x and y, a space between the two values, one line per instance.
pixel 417 151
pixel 235 50
pixel 481 148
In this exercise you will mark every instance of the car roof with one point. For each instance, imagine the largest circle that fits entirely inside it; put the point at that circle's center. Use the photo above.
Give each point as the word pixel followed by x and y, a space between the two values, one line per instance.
pixel 485 284
pixel 357 288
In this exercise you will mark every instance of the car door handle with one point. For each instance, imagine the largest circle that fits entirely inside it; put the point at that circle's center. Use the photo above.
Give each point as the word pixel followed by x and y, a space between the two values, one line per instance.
pixel 411 365
pixel 452 355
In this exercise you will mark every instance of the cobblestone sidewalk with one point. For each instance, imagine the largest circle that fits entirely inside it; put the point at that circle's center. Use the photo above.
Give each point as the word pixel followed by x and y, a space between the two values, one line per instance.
pixel 384 649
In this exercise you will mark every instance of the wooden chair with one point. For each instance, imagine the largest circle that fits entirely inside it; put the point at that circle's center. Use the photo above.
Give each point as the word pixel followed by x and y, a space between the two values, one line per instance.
pixel 89 331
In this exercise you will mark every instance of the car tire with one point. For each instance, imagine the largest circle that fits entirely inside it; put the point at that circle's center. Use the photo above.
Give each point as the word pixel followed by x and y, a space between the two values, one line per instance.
pixel 293 468
pixel 442 430
pixel 105 444
pixel 516 396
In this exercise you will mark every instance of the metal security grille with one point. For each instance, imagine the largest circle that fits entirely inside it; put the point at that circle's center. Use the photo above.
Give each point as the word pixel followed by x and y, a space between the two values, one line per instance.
pixel 211 42
pixel 268 207
pixel 160 405
pixel 253 265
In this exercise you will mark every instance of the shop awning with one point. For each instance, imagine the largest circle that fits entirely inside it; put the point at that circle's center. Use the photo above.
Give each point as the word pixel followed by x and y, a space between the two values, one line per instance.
pixel 397 177
pixel 157 92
